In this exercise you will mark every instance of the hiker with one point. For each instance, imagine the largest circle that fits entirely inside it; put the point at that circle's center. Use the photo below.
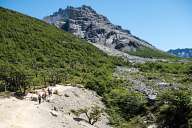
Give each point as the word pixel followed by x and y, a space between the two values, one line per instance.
pixel 39 98
pixel 44 96
pixel 49 92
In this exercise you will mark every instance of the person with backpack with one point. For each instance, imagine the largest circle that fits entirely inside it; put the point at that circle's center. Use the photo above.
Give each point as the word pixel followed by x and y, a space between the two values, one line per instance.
pixel 39 98
pixel 49 92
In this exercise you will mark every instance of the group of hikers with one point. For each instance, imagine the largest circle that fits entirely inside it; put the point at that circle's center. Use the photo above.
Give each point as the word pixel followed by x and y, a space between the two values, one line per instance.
pixel 43 96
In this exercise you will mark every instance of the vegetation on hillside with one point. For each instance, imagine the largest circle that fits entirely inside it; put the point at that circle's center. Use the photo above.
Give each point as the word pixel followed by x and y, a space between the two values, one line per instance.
pixel 129 108
pixel 172 108
pixel 150 53
pixel 33 53
pixel 175 109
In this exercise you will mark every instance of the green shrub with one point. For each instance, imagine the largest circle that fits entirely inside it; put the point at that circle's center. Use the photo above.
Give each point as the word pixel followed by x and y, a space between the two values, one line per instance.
pixel 93 114
pixel 175 109
pixel 128 103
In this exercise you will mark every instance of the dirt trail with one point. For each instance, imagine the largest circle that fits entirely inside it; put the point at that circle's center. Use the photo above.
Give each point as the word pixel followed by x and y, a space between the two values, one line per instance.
pixel 15 113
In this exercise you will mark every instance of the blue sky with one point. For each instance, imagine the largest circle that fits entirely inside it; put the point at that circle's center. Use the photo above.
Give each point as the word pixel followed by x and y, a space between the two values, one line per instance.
pixel 167 24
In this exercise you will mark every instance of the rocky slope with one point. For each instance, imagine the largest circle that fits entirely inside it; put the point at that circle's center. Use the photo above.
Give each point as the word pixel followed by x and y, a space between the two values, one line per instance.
pixel 186 53
pixel 126 56
pixel 88 24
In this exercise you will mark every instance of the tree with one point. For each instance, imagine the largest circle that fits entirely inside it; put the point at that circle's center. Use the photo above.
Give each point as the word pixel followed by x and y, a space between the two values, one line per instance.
pixel 15 77
pixel 84 73
pixel 129 103
pixel 93 114
pixel 54 76
pixel 175 109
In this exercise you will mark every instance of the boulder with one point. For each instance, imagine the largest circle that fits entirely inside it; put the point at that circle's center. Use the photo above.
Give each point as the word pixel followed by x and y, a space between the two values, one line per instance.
pixel 148 91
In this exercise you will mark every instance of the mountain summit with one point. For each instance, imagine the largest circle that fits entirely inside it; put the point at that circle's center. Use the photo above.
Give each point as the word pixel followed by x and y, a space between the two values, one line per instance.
pixel 86 23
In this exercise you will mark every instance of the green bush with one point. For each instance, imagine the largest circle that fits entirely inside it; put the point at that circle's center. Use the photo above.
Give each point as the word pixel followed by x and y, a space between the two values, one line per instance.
pixel 93 113
pixel 128 103
pixel 175 109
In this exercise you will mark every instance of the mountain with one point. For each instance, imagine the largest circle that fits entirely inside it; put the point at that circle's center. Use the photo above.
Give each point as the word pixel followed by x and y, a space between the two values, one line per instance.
pixel 185 53
pixel 86 23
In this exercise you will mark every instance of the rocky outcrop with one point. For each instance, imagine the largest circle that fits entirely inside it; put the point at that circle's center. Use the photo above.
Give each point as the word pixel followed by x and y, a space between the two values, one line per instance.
pixel 86 23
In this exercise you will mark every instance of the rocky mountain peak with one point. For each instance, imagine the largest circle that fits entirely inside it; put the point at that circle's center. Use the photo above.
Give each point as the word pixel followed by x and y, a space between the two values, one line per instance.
pixel 86 23
pixel 87 8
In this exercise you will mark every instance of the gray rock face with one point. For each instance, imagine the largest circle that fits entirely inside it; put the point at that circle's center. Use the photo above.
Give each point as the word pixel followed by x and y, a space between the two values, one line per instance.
pixel 85 23
pixel 143 88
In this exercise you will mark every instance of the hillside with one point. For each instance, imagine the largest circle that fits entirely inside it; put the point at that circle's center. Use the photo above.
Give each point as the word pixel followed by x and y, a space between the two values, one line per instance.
pixel 34 55
pixel 86 23
pixel 185 53
pixel 43 54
